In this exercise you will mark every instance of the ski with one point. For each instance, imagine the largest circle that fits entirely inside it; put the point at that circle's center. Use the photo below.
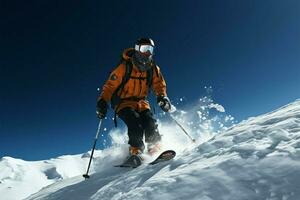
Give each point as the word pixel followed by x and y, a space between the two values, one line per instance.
pixel 135 161
pixel 164 156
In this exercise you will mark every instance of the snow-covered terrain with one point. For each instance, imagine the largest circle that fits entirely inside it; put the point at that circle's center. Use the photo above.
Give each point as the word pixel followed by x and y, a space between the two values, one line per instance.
pixel 19 178
pixel 258 158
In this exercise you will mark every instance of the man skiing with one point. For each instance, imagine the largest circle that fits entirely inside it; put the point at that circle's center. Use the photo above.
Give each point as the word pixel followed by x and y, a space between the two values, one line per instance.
pixel 127 88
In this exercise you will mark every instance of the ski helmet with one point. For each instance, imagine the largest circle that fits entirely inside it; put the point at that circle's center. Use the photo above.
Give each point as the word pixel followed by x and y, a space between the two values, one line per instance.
pixel 144 45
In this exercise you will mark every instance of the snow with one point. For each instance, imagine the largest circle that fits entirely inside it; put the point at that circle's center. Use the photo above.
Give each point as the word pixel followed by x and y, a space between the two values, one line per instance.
pixel 218 107
pixel 258 158
pixel 19 178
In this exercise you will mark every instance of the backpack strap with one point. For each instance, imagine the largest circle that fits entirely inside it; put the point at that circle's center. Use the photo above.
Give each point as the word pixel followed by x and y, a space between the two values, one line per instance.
pixel 149 77
pixel 116 99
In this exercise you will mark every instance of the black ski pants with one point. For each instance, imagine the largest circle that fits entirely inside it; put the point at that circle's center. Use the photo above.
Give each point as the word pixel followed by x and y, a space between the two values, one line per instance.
pixel 140 124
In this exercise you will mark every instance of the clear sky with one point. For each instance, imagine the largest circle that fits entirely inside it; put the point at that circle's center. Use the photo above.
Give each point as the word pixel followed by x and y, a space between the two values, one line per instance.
pixel 54 55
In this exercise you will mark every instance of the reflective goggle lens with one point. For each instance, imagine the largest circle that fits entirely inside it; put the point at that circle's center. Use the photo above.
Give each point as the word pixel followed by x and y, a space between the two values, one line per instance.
pixel 145 48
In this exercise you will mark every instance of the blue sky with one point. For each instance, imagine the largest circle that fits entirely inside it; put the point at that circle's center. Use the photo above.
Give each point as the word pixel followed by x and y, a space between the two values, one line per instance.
pixel 54 55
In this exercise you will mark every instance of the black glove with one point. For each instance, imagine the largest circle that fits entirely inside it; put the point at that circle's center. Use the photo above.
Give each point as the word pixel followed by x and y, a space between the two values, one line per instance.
pixel 164 103
pixel 101 108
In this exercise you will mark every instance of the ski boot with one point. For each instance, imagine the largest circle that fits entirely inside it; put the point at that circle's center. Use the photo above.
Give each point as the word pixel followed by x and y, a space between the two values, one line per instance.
pixel 135 151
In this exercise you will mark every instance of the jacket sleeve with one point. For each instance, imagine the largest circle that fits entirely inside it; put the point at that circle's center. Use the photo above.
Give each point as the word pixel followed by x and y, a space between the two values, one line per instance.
pixel 114 80
pixel 158 83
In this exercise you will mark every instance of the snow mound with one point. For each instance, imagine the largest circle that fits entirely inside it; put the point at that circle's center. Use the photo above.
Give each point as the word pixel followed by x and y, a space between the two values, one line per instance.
pixel 19 178
pixel 258 158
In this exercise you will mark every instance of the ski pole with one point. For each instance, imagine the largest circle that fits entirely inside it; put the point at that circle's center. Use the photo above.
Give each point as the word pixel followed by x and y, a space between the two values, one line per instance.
pixel 86 176
pixel 193 140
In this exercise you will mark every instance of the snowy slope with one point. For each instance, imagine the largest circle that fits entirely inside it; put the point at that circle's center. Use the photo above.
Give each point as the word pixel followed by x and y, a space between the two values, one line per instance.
pixel 257 159
pixel 19 178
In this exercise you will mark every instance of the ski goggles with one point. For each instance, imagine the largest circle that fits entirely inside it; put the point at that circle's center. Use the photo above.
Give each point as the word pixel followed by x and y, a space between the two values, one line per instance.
pixel 144 48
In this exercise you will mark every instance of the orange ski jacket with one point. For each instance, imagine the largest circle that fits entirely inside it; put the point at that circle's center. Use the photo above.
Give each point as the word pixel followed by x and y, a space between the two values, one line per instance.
pixel 134 88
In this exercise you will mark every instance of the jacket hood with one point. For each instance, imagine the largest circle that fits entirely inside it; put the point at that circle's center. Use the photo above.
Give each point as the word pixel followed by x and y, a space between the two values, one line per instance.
pixel 128 53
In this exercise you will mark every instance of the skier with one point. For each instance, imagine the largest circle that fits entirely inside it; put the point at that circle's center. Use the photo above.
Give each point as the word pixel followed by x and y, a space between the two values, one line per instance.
pixel 127 88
